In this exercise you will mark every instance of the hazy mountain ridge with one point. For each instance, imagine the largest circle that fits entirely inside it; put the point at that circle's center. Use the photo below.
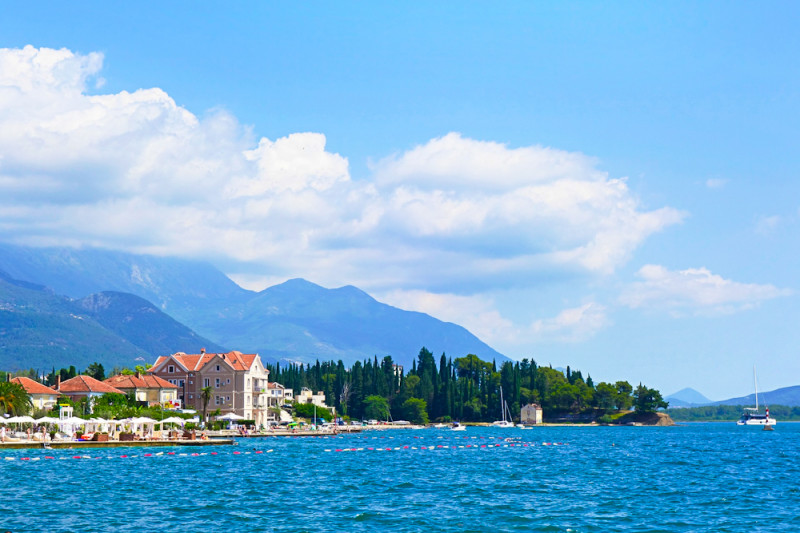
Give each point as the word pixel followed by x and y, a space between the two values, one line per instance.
pixel 40 329
pixel 139 321
pixel 789 396
pixel 296 320
pixel 688 397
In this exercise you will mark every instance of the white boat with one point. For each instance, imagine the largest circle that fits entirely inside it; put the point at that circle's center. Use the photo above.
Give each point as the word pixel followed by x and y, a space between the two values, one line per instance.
pixel 752 416
pixel 504 423
pixel 458 427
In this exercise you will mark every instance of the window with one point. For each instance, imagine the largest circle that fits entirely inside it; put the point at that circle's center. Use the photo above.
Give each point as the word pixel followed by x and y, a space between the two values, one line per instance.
pixel 171 381
pixel 217 382
pixel 217 368
pixel 171 369
pixel 181 383
pixel 206 382
pixel 190 396
pixel 191 382
pixel 216 400
pixel 229 398
pixel 228 381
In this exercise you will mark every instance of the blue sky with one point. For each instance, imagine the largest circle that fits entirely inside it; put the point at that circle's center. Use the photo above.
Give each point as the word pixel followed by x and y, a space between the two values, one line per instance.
pixel 609 187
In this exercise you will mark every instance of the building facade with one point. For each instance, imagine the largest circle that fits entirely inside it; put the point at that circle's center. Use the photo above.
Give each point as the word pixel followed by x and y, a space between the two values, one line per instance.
pixel 42 396
pixel 306 396
pixel 84 387
pixel 238 382
pixel 531 414
pixel 147 388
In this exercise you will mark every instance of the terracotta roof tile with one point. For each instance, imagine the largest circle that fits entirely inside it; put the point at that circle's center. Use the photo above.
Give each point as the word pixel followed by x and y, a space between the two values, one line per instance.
pixel 195 362
pixel 80 384
pixel 122 381
pixel 33 387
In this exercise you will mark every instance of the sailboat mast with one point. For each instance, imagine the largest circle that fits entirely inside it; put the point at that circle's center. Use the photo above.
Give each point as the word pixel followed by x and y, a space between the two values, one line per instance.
pixel 755 385
pixel 502 405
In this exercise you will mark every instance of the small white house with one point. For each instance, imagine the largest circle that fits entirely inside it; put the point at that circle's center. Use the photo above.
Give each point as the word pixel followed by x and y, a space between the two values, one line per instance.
pixel 531 414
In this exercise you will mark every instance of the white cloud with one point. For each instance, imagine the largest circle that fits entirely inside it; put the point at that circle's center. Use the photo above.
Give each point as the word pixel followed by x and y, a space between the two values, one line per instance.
pixel 694 291
pixel 544 206
pixel 477 313
pixel 136 171
pixel 716 183
pixel 572 325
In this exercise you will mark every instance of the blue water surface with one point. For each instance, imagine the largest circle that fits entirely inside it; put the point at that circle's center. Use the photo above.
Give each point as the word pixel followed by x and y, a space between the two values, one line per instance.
pixel 696 477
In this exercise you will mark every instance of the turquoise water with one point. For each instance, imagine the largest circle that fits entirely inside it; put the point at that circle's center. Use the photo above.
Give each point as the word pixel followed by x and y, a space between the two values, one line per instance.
pixel 698 477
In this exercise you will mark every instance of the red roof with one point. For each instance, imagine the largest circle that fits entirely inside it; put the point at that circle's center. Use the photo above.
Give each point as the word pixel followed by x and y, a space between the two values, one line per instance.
pixel 80 384
pixel 33 387
pixel 122 381
pixel 194 362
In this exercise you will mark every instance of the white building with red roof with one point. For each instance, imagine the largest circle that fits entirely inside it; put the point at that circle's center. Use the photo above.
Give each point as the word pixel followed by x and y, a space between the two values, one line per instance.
pixel 84 387
pixel 42 396
pixel 147 388
pixel 239 382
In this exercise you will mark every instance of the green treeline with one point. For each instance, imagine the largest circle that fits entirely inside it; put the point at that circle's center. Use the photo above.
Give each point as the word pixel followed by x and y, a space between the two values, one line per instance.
pixel 710 413
pixel 465 389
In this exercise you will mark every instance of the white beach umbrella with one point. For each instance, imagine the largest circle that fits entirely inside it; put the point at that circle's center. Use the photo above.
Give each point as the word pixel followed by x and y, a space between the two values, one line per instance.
pixel 20 420
pixel 230 416
pixel 174 420
pixel 47 420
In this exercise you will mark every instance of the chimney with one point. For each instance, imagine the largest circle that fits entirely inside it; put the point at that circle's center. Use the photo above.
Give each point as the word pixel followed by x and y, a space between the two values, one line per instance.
pixel 58 382
pixel 202 351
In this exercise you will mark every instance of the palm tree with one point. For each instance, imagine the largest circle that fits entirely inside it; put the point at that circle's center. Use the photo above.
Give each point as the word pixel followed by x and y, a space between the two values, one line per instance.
pixel 14 399
pixel 205 394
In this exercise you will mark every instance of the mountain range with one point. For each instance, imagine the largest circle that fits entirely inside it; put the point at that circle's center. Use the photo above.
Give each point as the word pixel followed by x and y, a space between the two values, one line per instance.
pixel 132 306
pixel 789 396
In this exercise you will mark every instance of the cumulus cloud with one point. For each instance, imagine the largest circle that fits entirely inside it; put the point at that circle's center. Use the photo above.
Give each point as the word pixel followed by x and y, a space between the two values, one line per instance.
pixel 532 205
pixel 694 291
pixel 136 171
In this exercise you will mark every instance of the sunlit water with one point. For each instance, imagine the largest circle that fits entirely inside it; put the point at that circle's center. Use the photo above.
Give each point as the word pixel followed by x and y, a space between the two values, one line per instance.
pixel 698 477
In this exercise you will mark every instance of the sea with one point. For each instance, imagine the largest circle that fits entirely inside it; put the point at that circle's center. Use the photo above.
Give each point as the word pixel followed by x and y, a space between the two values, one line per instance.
pixel 693 477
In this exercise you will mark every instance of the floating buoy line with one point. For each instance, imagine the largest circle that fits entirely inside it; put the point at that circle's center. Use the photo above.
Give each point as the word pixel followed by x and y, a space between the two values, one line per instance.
pixel 437 447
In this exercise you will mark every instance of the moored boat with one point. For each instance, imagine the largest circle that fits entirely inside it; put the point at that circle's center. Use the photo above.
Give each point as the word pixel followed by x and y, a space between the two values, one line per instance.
pixel 752 416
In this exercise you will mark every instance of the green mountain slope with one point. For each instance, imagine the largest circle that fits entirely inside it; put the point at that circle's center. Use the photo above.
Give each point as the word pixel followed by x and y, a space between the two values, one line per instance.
pixel 41 330
pixel 296 320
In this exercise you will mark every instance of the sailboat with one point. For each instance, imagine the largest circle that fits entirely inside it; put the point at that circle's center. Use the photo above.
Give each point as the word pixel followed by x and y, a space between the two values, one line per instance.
pixel 752 416
pixel 505 423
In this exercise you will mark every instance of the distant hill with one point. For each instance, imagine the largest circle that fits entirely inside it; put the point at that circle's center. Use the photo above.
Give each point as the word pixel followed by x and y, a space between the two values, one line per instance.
pixel 687 397
pixel 42 330
pixel 789 396
pixel 141 323
pixel 296 320
pixel 303 321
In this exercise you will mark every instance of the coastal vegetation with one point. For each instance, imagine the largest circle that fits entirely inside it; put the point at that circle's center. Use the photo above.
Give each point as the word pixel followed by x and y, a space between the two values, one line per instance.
pixel 14 400
pixel 466 388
